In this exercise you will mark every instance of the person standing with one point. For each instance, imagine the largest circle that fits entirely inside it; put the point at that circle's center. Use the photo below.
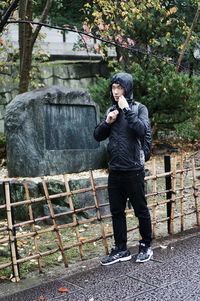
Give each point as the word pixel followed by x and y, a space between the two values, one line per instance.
pixel 124 127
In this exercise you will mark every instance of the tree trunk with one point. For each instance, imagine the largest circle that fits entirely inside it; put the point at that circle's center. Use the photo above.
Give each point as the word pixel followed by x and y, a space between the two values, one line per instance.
pixel 27 38
pixel 25 45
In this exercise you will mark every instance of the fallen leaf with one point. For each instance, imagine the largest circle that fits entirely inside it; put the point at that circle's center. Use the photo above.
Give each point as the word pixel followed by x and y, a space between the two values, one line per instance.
pixel 60 258
pixel 163 247
pixel 42 298
pixel 63 289
pixel 19 243
pixel 130 215
pixel 3 277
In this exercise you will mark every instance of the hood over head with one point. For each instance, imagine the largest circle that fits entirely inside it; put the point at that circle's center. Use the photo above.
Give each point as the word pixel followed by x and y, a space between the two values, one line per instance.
pixel 126 81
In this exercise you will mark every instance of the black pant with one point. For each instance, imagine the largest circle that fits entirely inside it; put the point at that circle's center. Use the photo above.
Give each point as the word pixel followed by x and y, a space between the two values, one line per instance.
pixel 123 185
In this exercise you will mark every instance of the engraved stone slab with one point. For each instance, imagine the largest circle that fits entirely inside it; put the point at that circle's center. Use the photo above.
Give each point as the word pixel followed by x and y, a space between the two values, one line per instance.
pixel 50 131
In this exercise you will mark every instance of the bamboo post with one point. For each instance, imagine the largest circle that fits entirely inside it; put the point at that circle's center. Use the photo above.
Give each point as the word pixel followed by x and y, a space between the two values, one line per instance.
pixel 13 247
pixel 30 210
pixel 54 222
pixel 154 191
pixel 98 212
pixel 74 217
pixel 195 192
pixel 172 202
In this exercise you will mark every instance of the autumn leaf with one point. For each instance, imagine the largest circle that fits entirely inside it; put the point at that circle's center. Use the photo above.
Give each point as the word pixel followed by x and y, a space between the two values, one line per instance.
pixel 96 46
pixel 106 27
pixel 2 42
pixel 19 243
pixel 86 38
pixel 3 277
pixel 129 215
pixel 63 289
pixel 171 11
pixel 108 229
pixel 86 28
pixel 118 38
pixel 42 298
pixel 101 26
pixel 130 41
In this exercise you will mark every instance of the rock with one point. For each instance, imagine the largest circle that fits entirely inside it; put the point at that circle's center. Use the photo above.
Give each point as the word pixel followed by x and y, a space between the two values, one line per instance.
pixel 86 199
pixel 50 131
pixel 59 220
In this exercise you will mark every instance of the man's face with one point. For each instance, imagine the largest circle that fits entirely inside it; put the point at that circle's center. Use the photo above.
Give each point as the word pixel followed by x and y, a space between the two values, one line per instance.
pixel 117 91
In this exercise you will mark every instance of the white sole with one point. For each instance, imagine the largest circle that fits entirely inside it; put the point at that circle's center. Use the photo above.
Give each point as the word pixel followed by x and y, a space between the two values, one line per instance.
pixel 117 260
pixel 151 255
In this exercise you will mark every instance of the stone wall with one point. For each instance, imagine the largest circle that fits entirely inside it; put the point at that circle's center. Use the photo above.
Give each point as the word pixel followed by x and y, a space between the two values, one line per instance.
pixel 67 74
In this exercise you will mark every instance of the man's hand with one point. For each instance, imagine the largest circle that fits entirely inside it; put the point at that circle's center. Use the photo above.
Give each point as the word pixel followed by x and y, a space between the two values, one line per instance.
pixel 112 116
pixel 122 102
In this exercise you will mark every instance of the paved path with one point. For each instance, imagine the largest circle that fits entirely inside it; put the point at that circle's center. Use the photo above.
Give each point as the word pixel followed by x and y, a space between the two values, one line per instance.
pixel 173 274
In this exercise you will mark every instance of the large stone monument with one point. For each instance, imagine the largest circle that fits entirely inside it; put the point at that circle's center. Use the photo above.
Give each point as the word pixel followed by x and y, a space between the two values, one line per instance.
pixel 50 131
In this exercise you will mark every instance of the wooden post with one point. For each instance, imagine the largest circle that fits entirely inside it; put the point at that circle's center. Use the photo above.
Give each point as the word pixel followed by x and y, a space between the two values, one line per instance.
pixel 11 232
pixel 98 212
pixel 54 223
pixel 74 217
pixel 173 203
pixel 33 225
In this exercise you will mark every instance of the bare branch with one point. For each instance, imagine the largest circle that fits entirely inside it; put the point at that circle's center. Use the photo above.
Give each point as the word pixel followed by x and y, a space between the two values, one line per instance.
pixel 7 14
pixel 43 19
pixel 195 20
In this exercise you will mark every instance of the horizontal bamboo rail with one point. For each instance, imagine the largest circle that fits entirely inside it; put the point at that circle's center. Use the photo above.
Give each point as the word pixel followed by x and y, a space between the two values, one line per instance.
pixel 184 191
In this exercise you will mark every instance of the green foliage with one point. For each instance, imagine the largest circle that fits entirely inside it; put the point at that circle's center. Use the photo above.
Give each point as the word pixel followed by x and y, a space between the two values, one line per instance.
pixel 189 129
pixel 101 95
pixel 2 140
pixel 3 6
pixel 156 26
pixel 63 12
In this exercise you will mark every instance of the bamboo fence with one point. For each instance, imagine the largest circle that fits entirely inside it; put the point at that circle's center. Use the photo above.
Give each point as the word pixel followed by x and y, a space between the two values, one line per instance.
pixel 184 202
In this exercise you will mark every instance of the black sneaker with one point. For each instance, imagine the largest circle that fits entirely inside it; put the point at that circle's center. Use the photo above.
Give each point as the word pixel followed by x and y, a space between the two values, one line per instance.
pixel 116 255
pixel 145 253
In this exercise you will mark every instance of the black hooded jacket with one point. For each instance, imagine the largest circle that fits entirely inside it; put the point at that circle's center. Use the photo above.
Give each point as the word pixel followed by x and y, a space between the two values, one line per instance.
pixel 124 147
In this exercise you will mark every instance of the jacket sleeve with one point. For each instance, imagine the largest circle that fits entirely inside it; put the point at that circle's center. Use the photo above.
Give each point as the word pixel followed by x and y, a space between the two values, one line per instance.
pixel 138 122
pixel 102 131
